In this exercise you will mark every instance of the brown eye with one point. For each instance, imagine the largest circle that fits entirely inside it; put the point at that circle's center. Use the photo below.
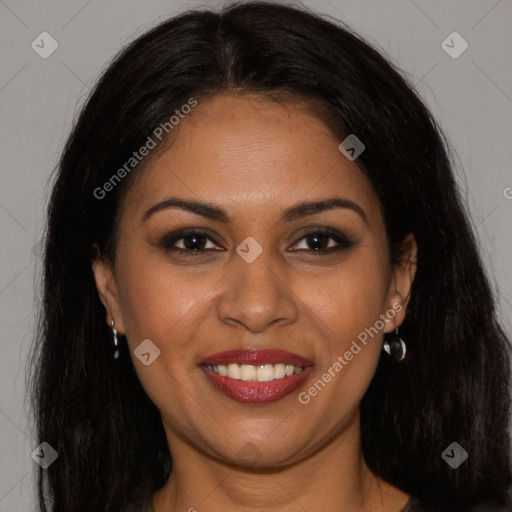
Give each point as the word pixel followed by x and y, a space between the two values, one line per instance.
pixel 190 241
pixel 323 240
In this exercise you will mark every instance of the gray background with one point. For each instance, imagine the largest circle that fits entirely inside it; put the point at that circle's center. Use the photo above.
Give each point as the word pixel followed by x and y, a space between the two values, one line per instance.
pixel 471 96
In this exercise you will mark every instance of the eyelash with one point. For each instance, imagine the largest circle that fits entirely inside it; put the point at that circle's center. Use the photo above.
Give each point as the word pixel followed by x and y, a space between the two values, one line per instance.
pixel 343 242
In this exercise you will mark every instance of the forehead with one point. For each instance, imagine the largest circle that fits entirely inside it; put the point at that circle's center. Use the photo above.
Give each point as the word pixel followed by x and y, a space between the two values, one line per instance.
pixel 249 153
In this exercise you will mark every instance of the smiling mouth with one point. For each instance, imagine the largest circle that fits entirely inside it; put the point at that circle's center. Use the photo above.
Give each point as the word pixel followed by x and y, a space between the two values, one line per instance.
pixel 256 376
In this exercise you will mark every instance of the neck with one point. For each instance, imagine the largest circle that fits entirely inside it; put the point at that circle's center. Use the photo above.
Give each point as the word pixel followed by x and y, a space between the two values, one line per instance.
pixel 334 477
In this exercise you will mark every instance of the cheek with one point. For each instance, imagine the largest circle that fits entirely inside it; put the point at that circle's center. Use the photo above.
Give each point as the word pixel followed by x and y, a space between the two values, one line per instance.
pixel 350 296
pixel 347 304
pixel 156 298
pixel 161 304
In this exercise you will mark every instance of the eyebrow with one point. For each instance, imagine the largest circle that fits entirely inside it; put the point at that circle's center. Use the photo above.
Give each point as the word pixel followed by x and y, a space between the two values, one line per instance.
pixel 216 213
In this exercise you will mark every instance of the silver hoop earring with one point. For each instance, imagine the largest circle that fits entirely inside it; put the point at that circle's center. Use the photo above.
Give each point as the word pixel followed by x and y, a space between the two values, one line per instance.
pixel 116 340
pixel 395 347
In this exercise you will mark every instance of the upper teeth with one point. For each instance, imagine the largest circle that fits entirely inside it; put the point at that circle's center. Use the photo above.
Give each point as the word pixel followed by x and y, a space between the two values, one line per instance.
pixel 261 373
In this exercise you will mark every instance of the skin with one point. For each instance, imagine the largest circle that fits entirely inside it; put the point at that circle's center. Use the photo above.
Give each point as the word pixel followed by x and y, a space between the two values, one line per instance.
pixel 255 158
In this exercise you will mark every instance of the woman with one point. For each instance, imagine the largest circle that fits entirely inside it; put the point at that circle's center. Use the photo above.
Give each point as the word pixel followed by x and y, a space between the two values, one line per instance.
pixel 261 287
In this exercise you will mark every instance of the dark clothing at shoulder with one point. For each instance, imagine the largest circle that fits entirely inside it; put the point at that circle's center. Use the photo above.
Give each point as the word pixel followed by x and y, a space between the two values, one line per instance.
pixel 415 505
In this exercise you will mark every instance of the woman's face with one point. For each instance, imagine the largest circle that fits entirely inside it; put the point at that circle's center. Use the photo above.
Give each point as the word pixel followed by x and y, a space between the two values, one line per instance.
pixel 258 281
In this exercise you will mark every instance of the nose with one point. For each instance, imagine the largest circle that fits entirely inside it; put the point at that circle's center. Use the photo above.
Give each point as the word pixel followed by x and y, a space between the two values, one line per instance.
pixel 257 294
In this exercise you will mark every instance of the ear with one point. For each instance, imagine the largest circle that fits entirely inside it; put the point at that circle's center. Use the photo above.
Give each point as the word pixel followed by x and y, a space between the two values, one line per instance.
pixel 107 290
pixel 400 285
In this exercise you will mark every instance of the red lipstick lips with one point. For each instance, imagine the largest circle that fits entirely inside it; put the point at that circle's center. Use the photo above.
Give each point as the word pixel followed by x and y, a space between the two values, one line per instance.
pixel 252 391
